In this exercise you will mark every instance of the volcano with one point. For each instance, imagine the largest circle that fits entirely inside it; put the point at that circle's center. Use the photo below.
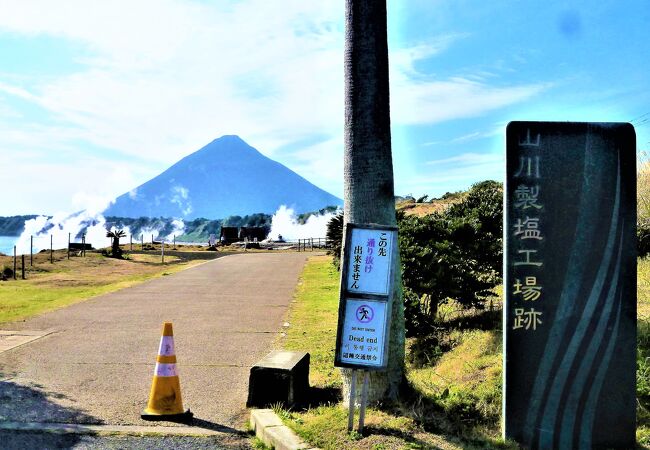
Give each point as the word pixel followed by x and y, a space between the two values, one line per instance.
pixel 225 178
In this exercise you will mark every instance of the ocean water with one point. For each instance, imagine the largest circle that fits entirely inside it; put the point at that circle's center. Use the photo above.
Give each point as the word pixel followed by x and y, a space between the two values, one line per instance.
pixel 7 244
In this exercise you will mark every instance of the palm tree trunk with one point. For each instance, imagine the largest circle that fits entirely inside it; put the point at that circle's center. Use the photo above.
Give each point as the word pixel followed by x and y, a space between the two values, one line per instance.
pixel 368 167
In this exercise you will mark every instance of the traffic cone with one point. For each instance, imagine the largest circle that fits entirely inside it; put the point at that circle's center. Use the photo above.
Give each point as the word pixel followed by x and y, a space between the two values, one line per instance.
pixel 165 402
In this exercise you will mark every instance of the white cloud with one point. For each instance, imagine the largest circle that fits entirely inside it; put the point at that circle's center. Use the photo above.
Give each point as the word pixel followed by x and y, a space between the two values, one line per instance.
pixel 453 173
pixel 160 78
pixel 425 102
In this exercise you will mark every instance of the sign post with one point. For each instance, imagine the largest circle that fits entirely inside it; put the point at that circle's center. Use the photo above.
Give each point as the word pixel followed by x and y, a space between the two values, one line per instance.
pixel 570 285
pixel 365 305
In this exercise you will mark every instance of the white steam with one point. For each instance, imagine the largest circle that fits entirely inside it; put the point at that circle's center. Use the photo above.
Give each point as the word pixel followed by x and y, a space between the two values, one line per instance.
pixel 179 228
pixel 285 223
pixel 57 228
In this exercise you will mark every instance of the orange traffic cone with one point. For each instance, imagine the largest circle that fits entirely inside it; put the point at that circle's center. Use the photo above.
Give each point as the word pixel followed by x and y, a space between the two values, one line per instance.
pixel 165 401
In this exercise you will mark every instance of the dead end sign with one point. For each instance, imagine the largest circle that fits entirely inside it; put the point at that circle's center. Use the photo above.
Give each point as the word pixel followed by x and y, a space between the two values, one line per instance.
pixel 363 336
pixel 365 297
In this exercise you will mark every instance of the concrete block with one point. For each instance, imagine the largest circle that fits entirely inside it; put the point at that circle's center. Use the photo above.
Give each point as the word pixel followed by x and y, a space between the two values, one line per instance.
pixel 280 377
pixel 263 418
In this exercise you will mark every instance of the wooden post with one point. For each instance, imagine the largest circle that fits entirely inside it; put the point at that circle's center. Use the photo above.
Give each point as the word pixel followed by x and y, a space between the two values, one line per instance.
pixel 142 242
pixel 83 242
pixel 364 400
pixel 174 241
pixel 353 398
pixel 311 243
pixel 152 239
pixel 15 262
pixel 23 265
pixel 51 251
pixel 162 250
pixel 31 250
pixel 68 245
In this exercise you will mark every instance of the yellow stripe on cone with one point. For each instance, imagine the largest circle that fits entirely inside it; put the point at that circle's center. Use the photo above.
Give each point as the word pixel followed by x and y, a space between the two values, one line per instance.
pixel 165 401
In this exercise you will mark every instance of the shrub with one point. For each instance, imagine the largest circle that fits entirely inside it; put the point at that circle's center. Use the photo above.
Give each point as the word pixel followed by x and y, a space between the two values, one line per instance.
pixel 451 255
pixel 334 238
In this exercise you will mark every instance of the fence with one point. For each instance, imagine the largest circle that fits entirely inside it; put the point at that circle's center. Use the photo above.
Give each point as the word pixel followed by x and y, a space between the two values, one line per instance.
pixel 309 244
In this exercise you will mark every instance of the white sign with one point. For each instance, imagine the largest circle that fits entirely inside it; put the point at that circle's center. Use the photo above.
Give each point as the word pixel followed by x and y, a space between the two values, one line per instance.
pixel 369 263
pixel 362 336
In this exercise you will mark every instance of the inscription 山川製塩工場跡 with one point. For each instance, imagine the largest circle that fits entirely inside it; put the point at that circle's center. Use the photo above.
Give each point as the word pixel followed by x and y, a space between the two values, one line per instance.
pixel 570 285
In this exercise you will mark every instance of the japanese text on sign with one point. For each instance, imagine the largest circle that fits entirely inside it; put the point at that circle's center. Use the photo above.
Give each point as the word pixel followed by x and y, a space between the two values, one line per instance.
pixel 527 232
pixel 369 268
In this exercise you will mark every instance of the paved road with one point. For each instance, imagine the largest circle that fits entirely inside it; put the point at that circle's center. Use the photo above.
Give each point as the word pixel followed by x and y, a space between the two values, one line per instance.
pixel 96 364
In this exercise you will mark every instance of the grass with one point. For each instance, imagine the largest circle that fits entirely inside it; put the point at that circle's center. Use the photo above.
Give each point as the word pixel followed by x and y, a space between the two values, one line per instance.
pixel 51 286
pixel 313 320
pixel 643 352
pixel 454 402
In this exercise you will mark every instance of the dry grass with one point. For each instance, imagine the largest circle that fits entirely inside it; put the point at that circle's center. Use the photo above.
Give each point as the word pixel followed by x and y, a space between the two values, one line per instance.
pixel 424 209
pixel 66 281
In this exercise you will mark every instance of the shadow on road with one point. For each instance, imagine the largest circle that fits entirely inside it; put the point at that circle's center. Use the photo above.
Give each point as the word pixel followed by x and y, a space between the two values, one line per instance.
pixel 200 423
pixel 19 403
pixel 31 404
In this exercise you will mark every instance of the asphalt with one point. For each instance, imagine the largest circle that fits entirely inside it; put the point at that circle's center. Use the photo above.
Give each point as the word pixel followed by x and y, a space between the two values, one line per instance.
pixel 95 363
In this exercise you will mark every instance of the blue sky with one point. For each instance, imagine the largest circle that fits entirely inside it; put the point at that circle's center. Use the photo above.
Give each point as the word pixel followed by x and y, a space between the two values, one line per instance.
pixel 98 97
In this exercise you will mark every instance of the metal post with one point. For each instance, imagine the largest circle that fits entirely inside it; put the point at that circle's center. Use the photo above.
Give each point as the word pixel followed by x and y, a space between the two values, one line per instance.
pixel 31 250
pixel 14 262
pixel 23 265
pixel 353 399
pixel 364 400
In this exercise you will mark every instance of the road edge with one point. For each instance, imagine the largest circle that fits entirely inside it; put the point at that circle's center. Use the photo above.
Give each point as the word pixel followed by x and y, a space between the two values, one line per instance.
pixel 268 427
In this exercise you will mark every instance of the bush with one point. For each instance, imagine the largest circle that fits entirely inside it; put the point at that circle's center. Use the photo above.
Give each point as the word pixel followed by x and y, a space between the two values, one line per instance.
pixel 451 255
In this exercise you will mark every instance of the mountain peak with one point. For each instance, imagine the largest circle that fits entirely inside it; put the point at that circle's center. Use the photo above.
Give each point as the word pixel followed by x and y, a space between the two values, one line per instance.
pixel 224 178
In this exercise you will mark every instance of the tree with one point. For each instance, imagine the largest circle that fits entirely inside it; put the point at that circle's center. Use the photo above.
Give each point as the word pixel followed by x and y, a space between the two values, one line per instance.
pixel 368 167
pixel 452 255
pixel 334 238
pixel 116 251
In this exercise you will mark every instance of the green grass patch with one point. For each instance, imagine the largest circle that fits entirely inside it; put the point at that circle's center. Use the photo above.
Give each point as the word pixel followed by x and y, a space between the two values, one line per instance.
pixel 465 383
pixel 313 319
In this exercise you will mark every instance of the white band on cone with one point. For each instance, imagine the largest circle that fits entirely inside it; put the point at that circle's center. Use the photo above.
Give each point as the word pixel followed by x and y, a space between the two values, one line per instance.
pixel 165 370
pixel 166 346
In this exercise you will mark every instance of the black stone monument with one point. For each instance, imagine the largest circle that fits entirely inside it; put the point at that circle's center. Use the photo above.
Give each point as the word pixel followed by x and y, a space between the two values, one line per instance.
pixel 570 285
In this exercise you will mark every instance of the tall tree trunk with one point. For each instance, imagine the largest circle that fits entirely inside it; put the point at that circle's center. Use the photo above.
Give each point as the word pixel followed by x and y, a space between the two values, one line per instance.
pixel 368 166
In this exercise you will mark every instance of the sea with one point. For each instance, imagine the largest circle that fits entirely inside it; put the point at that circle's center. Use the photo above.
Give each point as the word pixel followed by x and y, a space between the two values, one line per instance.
pixel 7 244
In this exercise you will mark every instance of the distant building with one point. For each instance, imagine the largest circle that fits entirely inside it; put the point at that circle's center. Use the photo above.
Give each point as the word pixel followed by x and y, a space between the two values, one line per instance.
pixel 253 233
pixel 229 235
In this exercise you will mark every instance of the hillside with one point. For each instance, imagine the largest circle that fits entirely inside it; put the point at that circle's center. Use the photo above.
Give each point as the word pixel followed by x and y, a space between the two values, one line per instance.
pixel 225 178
